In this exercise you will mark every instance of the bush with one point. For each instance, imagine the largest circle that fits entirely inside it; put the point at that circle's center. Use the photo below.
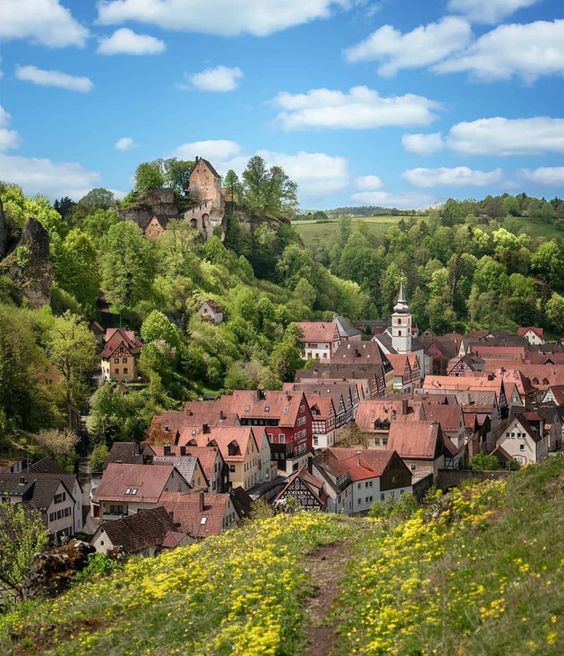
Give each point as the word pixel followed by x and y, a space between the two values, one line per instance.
pixel 484 461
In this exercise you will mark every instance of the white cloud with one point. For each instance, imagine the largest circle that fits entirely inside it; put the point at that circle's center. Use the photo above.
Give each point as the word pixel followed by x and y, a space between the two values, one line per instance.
pixel 126 42
pixel 216 150
pixel 408 201
pixel 459 176
pixel 220 78
pixel 552 176
pixel 8 138
pixel 423 144
pixel 504 136
pixel 43 176
pixel 317 174
pixel 46 78
pixel 368 183
pixel 125 143
pixel 488 11
pixel 425 45
pixel 527 50
pixel 359 109
pixel 45 22
pixel 224 17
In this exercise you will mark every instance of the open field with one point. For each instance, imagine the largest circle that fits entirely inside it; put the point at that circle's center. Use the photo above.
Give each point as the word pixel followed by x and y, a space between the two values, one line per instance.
pixel 535 227
pixel 311 231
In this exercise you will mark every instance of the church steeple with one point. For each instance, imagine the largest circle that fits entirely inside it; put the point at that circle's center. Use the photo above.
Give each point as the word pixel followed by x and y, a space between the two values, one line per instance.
pixel 401 324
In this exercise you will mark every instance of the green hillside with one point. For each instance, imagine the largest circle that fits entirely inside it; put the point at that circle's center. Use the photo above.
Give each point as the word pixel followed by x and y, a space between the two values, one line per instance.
pixel 478 571
pixel 311 231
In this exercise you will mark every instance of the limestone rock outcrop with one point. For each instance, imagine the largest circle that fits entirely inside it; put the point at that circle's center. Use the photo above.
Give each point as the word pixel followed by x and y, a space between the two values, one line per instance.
pixel 29 267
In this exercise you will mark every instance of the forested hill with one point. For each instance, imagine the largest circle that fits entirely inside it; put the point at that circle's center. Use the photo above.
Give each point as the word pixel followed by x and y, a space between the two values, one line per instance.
pixel 475 572
pixel 493 264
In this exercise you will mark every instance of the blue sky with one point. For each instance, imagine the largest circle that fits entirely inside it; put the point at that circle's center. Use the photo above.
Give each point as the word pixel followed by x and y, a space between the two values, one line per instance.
pixel 397 103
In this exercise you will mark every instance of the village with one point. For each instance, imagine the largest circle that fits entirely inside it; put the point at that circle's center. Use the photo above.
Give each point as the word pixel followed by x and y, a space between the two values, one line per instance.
pixel 378 412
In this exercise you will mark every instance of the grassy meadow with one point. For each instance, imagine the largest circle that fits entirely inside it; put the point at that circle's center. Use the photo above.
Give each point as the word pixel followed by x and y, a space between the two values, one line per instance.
pixel 312 232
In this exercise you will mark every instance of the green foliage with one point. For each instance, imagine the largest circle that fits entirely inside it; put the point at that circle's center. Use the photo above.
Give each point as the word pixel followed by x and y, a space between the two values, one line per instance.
pixel 72 350
pixel 148 177
pixel 393 510
pixel 268 191
pixel 127 265
pixel 99 565
pixel 22 537
pixel 98 457
pixel 172 172
pixel 76 269
pixel 484 461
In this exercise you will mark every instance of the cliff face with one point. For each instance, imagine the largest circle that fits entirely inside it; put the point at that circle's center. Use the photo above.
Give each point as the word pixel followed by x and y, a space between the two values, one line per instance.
pixel 29 267
pixel 160 203
pixel 3 233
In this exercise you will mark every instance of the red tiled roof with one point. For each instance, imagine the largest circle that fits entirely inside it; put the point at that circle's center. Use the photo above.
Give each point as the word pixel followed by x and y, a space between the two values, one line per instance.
pixel 222 437
pixel 369 410
pixel 361 464
pixel 284 406
pixel 415 439
pixel 359 353
pixel 185 509
pixel 523 330
pixel 148 480
pixel 450 417
pixel 318 331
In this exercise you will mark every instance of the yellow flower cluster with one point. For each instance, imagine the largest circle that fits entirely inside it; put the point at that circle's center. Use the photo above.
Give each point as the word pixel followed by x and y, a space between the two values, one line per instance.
pixel 236 594
pixel 393 594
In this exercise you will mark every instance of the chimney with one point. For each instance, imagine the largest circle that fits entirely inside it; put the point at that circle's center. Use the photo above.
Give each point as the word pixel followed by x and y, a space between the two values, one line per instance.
pixel 201 501
pixel 206 428
pixel 358 457
pixel 260 395
pixel 167 450
pixel 221 415
pixel 490 376
pixel 310 464
pixel 182 450
pixel 404 406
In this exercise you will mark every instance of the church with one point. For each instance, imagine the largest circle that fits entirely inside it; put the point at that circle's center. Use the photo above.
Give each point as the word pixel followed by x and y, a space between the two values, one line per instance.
pixel 398 337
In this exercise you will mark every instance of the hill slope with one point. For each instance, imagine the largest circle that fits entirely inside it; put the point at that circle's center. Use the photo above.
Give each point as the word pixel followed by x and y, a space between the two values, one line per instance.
pixel 476 572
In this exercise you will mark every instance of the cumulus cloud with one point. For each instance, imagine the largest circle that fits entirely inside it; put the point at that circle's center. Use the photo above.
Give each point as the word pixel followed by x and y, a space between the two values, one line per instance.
pixel 8 138
pixel 399 200
pixel 216 150
pixel 126 42
pixel 317 174
pixel 43 176
pixel 223 17
pixel 504 136
pixel 423 46
pixel 220 79
pixel 368 183
pixel 488 11
pixel 359 108
pixel 423 144
pixel 125 143
pixel 459 176
pixel 45 22
pixel 551 176
pixel 57 79
pixel 529 50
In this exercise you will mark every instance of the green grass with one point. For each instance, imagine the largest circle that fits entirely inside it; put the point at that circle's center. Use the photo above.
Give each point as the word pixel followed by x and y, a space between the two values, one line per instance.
pixel 477 572
pixel 535 227
pixel 484 578
pixel 311 231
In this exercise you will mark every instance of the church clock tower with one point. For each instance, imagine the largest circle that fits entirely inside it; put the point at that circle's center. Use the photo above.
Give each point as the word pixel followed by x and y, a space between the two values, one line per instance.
pixel 401 324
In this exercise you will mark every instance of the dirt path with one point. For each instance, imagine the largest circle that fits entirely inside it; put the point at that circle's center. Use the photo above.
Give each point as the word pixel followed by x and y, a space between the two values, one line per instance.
pixel 325 568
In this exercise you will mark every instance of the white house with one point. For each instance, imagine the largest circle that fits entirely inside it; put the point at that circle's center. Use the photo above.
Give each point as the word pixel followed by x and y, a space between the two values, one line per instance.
pixel 525 444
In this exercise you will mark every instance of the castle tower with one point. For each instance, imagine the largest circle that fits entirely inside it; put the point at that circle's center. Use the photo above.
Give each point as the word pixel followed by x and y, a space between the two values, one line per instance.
pixel 401 324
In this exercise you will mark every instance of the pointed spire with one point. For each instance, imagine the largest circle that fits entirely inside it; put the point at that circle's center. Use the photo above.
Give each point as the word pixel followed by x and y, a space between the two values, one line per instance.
pixel 401 297
pixel 401 306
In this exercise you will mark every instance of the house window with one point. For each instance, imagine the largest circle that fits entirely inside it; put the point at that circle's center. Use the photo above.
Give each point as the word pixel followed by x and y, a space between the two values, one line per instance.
pixel 124 360
pixel 522 447
pixel 282 438
pixel 116 360
pixel 399 333
pixel 413 467
pixel 125 370
pixel 60 497
pixel 315 440
pixel 232 468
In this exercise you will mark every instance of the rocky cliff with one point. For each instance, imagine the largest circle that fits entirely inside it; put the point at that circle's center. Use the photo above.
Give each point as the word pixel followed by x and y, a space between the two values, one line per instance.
pixel 28 265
